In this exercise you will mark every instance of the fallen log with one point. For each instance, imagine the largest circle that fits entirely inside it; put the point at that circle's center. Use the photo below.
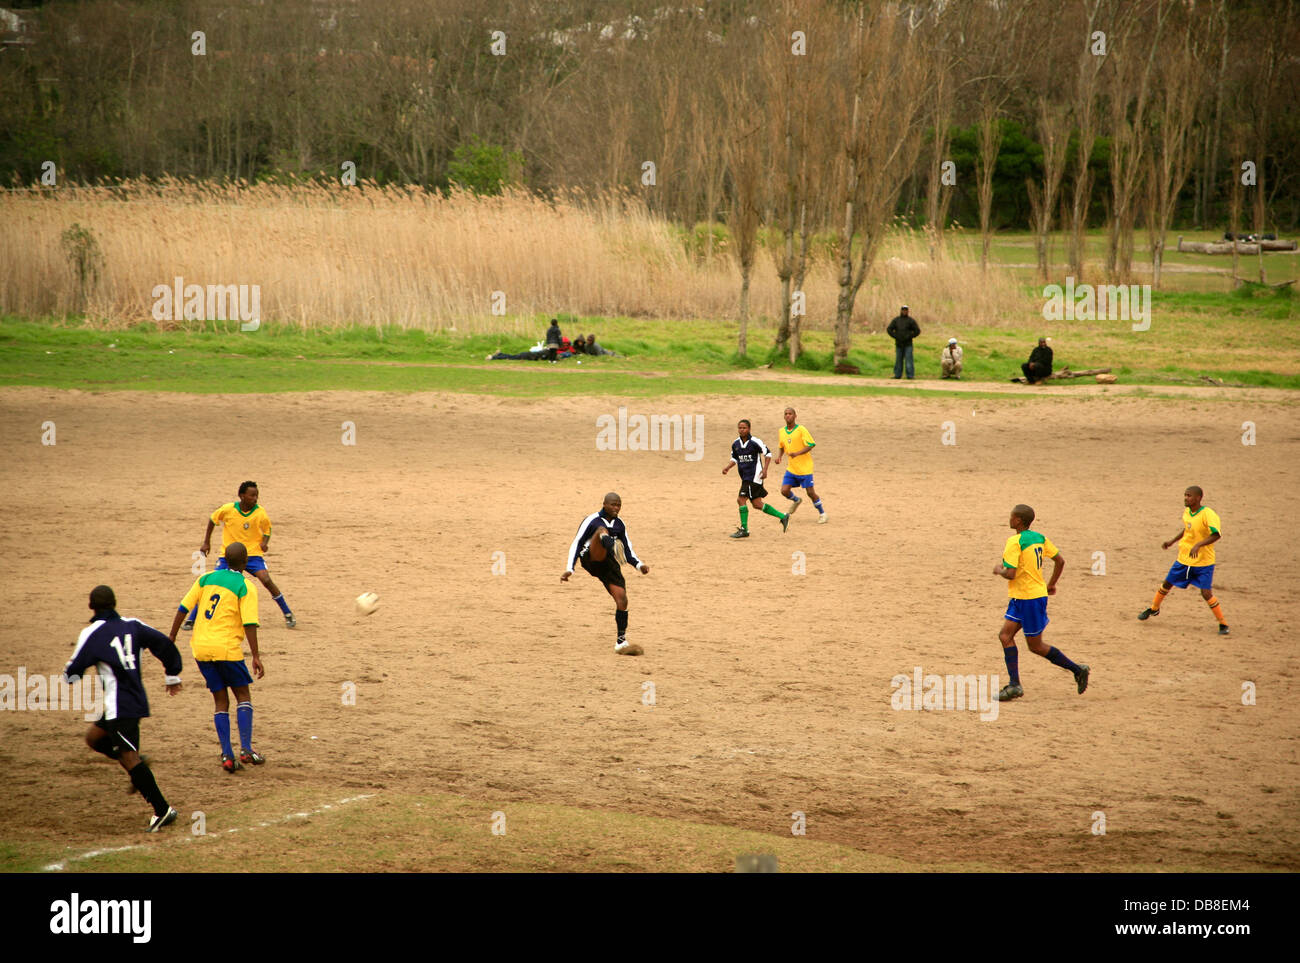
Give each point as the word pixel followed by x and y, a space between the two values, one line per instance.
pixel 1067 373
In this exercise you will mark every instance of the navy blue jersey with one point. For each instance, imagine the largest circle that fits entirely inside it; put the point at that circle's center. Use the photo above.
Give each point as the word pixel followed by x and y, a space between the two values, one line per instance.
pixel 750 457
pixel 587 530
pixel 112 646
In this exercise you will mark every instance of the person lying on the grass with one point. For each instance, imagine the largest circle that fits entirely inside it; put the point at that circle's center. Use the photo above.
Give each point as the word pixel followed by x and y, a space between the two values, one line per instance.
pixel 593 348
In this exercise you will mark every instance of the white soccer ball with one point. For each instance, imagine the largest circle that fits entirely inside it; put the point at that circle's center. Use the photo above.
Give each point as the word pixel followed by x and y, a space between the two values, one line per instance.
pixel 367 602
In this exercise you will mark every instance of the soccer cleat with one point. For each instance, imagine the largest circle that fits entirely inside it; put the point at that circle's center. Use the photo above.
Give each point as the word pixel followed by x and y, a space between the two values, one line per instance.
pixel 785 522
pixel 1147 613
pixel 1010 692
pixel 796 501
pixel 624 647
pixel 166 819
pixel 290 622
pixel 741 533
pixel 620 553
pixel 230 764
pixel 187 625
pixel 251 757
pixel 1081 677
pixel 821 519
pixel 1223 629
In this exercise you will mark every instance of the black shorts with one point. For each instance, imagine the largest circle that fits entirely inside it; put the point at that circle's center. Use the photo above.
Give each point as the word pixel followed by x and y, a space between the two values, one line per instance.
pixel 125 732
pixel 609 571
pixel 752 490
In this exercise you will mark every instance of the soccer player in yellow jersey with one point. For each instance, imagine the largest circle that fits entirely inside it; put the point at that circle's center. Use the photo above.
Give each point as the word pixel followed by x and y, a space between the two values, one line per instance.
pixel 1022 566
pixel 227 607
pixel 1195 563
pixel 247 522
pixel 797 441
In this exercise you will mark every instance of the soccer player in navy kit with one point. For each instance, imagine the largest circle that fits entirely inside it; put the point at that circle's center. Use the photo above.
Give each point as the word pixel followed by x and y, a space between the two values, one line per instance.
pixel 602 546
pixel 752 458
pixel 111 645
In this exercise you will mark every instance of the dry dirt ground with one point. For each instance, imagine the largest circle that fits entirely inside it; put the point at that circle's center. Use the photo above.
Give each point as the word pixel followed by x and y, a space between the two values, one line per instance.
pixel 772 690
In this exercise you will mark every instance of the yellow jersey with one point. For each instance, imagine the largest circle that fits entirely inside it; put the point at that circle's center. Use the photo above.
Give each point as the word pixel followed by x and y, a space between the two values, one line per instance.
pixel 1198 525
pixel 1025 552
pixel 238 526
pixel 227 602
pixel 796 439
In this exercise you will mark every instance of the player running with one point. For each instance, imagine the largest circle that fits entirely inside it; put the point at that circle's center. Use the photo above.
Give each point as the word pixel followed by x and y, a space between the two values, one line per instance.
pixel 1195 563
pixel 752 458
pixel 797 442
pixel 247 522
pixel 112 646
pixel 602 547
pixel 229 607
pixel 1022 566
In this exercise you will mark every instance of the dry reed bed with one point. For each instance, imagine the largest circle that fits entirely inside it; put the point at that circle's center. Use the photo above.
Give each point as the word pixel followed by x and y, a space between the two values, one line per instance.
pixel 329 256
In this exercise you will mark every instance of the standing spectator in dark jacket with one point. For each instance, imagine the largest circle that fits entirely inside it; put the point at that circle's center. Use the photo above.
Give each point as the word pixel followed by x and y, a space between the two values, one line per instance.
pixel 553 335
pixel 1039 365
pixel 903 329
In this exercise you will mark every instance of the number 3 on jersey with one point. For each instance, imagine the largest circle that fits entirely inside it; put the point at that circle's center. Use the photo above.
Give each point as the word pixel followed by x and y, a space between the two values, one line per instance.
pixel 124 653
pixel 214 600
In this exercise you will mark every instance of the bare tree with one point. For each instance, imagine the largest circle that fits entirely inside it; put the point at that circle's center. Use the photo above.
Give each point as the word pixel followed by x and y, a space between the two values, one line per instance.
pixel 1087 120
pixel 889 80
pixel 1129 92
pixel 744 152
pixel 1053 135
pixel 1174 111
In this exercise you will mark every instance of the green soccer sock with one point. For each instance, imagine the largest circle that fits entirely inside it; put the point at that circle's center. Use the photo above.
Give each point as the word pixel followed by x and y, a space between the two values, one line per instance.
pixel 769 510
pixel 744 517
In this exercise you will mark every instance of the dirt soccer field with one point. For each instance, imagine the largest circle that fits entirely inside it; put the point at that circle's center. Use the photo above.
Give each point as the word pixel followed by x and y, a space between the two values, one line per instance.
pixel 771 689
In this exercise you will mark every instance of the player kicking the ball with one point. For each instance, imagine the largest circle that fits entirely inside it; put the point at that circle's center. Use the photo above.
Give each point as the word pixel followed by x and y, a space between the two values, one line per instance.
pixel 796 441
pixel 602 547
pixel 752 458
pixel 1022 566
pixel 1195 562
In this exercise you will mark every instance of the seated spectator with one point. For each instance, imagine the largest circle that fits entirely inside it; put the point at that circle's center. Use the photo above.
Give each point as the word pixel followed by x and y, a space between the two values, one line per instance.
pixel 594 348
pixel 579 345
pixel 1039 365
pixel 950 360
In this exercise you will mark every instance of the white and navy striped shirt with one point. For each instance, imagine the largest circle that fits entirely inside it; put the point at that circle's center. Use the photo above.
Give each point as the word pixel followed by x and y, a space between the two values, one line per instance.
pixel 750 457
pixel 588 529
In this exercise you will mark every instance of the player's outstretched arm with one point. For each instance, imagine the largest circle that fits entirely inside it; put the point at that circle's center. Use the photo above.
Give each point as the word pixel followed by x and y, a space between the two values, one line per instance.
pixel 1004 571
pixel 207 539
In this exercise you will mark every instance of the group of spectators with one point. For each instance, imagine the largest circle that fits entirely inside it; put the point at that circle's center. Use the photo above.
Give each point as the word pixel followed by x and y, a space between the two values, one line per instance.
pixel 904 330
pixel 556 346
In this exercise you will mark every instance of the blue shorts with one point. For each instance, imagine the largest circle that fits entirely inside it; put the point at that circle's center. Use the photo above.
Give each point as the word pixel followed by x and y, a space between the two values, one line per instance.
pixel 256 563
pixel 225 675
pixel 1030 613
pixel 1181 576
pixel 797 481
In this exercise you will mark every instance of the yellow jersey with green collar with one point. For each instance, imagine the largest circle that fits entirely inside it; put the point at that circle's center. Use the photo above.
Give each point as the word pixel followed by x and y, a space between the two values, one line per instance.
pixel 1025 552
pixel 226 603
pixel 1197 526
pixel 238 526
pixel 796 439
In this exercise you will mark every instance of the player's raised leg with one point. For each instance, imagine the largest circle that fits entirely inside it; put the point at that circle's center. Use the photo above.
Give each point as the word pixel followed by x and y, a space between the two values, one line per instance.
pixel 766 509
pixel 277 597
pixel 1055 656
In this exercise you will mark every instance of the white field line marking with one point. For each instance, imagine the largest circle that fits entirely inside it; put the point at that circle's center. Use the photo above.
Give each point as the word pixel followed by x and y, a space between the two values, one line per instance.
pixel 91 854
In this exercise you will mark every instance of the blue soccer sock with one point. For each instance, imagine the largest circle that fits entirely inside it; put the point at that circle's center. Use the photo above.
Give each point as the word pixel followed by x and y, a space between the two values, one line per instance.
pixel 1012 656
pixel 818 505
pixel 1057 657
pixel 222 721
pixel 244 713
pixel 279 600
